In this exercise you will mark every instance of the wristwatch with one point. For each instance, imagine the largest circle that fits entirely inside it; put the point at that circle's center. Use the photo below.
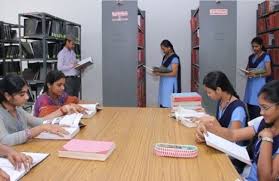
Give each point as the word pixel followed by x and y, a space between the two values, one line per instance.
pixel 268 139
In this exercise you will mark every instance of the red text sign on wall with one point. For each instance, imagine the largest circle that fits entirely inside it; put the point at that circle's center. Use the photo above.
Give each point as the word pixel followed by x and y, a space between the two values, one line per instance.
pixel 218 12
pixel 119 15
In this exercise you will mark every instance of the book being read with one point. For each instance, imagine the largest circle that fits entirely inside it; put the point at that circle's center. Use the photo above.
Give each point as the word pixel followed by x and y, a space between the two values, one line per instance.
pixel 160 69
pixel 92 109
pixel 238 152
pixel 71 123
pixel 6 165
pixel 87 149
pixel 84 63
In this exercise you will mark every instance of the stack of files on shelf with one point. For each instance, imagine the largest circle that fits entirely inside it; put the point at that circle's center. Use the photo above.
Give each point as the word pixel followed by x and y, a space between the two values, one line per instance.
pixel 11 52
pixel 267 7
pixel 6 33
pixel 274 53
pixel 261 25
pixel 187 100
pixel 87 149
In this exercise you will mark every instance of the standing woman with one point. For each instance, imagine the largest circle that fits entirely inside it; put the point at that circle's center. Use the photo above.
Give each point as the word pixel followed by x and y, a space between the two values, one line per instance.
pixel 261 62
pixel 169 82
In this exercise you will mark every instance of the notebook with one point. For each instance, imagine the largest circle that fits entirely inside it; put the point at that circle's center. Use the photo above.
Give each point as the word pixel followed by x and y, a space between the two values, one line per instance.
pixel 238 152
pixel 92 109
pixel 161 69
pixel 69 122
pixel 87 149
pixel 17 174
pixel 84 63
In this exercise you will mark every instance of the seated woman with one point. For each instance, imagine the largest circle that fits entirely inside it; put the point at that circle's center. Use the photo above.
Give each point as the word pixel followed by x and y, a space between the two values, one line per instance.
pixel 264 148
pixel 54 96
pixel 16 125
pixel 231 112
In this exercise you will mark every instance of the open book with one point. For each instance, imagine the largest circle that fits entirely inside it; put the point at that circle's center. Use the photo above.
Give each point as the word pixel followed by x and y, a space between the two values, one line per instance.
pixel 17 174
pixel 69 122
pixel 87 149
pixel 91 109
pixel 161 69
pixel 84 63
pixel 238 152
pixel 254 70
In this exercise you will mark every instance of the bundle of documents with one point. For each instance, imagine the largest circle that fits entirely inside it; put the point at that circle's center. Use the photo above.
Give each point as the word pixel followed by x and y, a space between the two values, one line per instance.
pixel 187 100
pixel 87 149
pixel 6 165
pixel 188 117
pixel 69 122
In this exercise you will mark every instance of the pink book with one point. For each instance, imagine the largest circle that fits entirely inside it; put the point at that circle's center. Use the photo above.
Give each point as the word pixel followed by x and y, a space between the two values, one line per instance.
pixel 77 145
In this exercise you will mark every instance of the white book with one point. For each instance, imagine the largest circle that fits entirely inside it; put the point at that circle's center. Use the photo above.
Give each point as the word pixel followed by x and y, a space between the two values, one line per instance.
pixel 69 122
pixel 6 165
pixel 91 110
pixel 238 152
pixel 84 63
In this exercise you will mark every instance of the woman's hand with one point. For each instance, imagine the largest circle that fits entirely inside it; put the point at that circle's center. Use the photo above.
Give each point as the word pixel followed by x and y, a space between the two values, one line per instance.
pixel 251 74
pixel 72 108
pixel 156 73
pixel 55 129
pixel 205 123
pixel 267 132
pixel 17 159
pixel 4 176
pixel 200 131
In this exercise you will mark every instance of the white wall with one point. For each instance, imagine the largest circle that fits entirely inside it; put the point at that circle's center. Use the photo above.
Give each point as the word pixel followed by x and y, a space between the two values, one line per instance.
pixel 246 31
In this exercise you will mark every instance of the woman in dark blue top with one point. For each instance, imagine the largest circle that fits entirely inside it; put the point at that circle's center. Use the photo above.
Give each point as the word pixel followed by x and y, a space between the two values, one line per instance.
pixel 259 67
pixel 231 112
pixel 169 82
pixel 264 148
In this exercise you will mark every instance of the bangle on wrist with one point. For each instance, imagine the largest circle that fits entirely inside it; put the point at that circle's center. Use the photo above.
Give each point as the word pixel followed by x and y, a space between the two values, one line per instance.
pixel 267 139
pixel 28 134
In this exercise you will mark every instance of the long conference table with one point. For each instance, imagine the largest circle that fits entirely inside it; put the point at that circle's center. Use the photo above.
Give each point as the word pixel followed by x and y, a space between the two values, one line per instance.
pixel 134 131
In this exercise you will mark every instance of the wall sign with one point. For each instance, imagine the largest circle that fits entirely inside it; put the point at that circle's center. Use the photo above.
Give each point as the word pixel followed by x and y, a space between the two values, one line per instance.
pixel 119 15
pixel 218 12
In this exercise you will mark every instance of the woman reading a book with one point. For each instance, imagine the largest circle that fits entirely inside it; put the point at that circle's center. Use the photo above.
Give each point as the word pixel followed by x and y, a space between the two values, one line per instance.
pixel 170 82
pixel 231 112
pixel 54 96
pixel 259 69
pixel 16 125
pixel 264 147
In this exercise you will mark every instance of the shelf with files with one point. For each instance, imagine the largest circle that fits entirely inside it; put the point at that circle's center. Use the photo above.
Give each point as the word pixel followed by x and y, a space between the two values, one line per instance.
pixel 267 8
pixel 195 28
pixel 268 30
pixel 9 48
pixel 42 36
pixel 141 77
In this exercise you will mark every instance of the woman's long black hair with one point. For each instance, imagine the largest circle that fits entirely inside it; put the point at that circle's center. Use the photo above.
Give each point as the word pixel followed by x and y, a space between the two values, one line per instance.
pixel 11 84
pixel 216 79
pixel 52 77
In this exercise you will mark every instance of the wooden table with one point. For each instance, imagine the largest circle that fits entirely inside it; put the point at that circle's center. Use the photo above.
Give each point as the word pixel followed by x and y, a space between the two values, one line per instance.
pixel 135 131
